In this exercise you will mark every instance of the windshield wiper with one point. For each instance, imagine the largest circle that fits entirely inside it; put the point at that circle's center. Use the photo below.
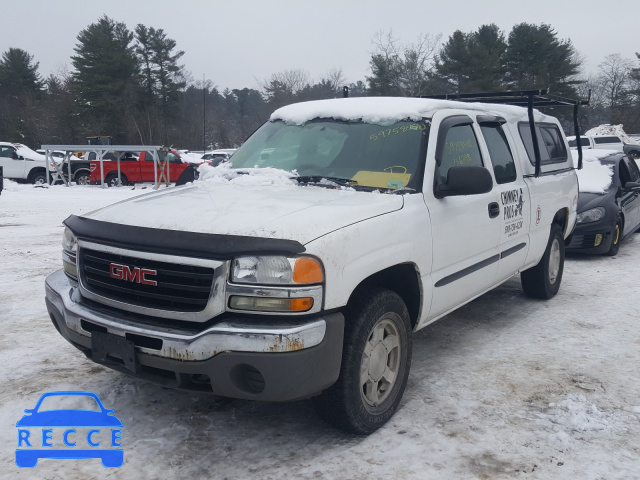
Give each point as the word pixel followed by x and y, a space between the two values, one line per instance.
pixel 401 190
pixel 317 179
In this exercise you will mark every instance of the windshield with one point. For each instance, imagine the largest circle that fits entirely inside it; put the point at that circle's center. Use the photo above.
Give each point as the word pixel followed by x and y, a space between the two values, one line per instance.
pixel 365 154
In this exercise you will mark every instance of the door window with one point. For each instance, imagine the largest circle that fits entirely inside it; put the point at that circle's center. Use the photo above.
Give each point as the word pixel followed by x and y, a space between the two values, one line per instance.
pixel 460 149
pixel 7 152
pixel 634 173
pixel 504 166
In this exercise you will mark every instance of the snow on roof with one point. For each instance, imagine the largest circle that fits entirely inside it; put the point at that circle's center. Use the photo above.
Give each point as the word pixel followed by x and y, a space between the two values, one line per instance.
pixel 594 176
pixel 607 129
pixel 383 110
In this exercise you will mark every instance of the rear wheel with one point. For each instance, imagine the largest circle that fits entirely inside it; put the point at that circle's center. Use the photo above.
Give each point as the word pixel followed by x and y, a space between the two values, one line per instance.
pixel 634 153
pixel 543 280
pixel 375 363
pixel 82 177
pixel 112 180
pixel 615 241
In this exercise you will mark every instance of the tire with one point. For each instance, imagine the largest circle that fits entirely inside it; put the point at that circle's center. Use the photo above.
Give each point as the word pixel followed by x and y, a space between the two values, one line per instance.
pixel 543 280
pixel 82 177
pixel 39 178
pixel 615 241
pixel 634 154
pixel 112 179
pixel 377 341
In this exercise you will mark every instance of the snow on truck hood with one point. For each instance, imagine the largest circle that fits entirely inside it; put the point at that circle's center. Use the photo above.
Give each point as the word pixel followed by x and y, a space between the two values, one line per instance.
pixel 294 212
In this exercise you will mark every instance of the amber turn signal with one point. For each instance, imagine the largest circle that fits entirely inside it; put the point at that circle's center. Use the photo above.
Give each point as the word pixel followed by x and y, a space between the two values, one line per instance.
pixel 307 270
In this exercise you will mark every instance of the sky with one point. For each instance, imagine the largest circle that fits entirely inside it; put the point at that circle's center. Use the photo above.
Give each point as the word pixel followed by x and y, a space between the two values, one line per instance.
pixel 241 44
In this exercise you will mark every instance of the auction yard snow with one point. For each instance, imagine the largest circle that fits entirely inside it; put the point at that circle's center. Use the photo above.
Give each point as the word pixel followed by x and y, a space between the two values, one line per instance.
pixel 506 387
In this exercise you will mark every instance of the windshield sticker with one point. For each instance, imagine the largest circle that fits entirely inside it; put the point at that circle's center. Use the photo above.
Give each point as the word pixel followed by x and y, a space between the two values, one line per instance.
pixel 397 130
pixel 512 204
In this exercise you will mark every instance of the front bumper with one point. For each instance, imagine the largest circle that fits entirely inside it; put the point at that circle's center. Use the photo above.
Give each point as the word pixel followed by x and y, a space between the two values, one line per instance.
pixel 583 238
pixel 274 359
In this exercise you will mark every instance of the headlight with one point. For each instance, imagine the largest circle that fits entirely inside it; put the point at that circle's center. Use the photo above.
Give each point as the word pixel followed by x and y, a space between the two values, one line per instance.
pixel 276 270
pixel 69 251
pixel 592 215
pixel 69 241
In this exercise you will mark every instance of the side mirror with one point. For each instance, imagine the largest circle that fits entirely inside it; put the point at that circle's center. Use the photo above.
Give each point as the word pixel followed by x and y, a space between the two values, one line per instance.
pixel 465 180
pixel 632 186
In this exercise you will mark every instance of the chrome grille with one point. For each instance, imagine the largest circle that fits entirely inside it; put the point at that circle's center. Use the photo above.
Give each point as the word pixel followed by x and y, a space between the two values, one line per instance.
pixel 178 288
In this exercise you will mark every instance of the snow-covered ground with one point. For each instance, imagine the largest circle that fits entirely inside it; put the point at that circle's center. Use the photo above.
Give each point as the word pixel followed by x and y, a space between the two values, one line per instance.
pixel 506 387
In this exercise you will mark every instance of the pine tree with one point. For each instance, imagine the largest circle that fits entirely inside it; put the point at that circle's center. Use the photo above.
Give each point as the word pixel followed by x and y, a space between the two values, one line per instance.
pixel 18 74
pixel 472 62
pixel 535 58
pixel 105 74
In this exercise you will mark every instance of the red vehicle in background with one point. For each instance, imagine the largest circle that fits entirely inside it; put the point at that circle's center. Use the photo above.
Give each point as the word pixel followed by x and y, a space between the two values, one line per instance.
pixel 136 169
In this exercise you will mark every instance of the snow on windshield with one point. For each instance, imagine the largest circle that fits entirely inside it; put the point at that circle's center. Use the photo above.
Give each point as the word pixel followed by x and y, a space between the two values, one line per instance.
pixel 594 177
pixel 249 177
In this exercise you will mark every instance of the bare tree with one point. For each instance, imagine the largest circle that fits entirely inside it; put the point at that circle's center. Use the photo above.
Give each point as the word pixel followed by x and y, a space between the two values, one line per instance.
pixel 405 67
pixel 613 80
pixel 335 78
pixel 282 87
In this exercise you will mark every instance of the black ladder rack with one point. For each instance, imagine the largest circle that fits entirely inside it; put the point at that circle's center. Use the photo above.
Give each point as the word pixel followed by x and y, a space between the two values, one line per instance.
pixel 525 98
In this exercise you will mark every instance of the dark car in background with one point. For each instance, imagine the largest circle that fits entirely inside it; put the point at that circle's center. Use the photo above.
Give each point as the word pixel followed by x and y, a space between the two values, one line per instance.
pixel 605 219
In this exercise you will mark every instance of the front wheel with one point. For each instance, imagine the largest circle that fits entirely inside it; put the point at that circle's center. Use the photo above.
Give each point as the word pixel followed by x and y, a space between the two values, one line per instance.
pixel 615 241
pixel 39 178
pixel 543 280
pixel 376 359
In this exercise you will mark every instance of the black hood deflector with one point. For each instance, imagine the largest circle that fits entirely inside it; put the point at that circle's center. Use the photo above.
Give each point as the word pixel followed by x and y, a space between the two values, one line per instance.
pixel 176 242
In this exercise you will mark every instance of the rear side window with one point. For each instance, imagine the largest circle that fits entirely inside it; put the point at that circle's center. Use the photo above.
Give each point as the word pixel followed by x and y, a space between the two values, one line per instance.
pixel 601 140
pixel 461 148
pixel 583 142
pixel 504 167
pixel 550 141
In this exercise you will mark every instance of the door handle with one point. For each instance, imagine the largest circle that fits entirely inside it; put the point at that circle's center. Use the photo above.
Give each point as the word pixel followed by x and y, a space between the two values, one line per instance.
pixel 494 209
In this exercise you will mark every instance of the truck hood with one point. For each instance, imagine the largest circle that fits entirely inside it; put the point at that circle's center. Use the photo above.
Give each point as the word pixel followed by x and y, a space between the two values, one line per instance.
pixel 289 212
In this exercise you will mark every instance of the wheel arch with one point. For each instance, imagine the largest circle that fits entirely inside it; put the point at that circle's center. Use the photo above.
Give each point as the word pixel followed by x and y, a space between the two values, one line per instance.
pixel 80 171
pixel 403 279
pixel 35 171
pixel 562 218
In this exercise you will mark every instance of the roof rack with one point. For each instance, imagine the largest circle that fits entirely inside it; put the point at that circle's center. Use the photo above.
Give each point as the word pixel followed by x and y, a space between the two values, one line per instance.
pixel 530 99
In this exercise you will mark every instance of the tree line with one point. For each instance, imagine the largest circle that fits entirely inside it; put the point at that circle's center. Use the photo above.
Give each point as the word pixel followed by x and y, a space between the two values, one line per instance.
pixel 130 85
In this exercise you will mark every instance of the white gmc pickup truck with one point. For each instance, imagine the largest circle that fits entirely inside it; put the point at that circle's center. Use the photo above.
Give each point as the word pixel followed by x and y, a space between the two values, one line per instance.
pixel 301 268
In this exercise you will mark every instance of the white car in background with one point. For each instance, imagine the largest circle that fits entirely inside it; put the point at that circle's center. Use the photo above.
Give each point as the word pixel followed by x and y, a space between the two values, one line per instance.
pixel 216 157
pixel 606 142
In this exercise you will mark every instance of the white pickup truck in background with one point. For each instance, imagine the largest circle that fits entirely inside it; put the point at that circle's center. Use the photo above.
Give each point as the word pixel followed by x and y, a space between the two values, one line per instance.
pixel 301 268
pixel 19 162
pixel 607 142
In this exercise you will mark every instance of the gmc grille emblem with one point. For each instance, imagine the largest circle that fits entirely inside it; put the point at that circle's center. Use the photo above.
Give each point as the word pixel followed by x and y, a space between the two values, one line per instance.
pixel 132 274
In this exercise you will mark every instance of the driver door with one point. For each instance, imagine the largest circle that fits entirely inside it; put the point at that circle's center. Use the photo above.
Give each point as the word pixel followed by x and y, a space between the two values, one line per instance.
pixel 465 228
pixel 13 166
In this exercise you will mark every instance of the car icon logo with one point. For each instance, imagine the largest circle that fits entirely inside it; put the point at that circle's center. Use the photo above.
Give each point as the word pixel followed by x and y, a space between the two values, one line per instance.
pixel 92 431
